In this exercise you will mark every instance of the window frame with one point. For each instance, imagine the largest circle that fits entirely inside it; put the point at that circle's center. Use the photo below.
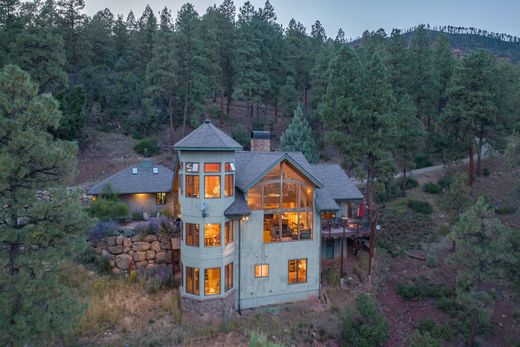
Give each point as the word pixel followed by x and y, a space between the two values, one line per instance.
pixel 161 198
pixel 262 266
pixel 219 235
pixel 196 178
pixel 212 163
pixel 191 164
pixel 296 270
pixel 219 279
pixel 228 231
pixel 196 230
pixel 231 185
pixel 228 277
pixel 229 166
pixel 194 290
pixel 219 190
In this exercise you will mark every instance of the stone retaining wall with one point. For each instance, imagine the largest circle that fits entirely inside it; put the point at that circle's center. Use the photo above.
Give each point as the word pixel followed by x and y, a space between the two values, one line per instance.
pixel 135 252
pixel 214 306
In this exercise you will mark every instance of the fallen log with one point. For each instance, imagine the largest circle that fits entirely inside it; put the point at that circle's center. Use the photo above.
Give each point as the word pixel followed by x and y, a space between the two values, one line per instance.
pixel 413 256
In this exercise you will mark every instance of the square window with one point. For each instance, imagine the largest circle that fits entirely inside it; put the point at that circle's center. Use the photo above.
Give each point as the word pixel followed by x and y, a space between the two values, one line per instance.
pixel 212 167
pixel 212 235
pixel 192 167
pixel 160 198
pixel 262 270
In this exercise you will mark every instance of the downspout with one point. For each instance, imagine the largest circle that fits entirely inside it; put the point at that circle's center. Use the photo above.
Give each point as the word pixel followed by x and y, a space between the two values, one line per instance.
pixel 239 262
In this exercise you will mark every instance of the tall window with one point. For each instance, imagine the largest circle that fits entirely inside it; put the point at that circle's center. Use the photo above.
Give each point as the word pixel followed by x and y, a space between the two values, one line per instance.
pixel 230 186
pixel 192 280
pixel 212 281
pixel 160 198
pixel 192 186
pixel 297 271
pixel 228 276
pixel 192 234
pixel 262 270
pixel 212 167
pixel 228 233
pixel 211 187
pixel 192 167
pixel 212 235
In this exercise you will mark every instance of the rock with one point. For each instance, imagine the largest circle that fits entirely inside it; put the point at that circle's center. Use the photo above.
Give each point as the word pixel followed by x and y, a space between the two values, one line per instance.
pixel 98 250
pixel 151 266
pixel 119 240
pixel 150 255
pixel 151 261
pixel 139 256
pixel 164 257
pixel 123 261
pixel 166 244
pixel 112 263
pixel 127 242
pixel 116 271
pixel 117 249
pixel 126 249
pixel 111 240
pixel 140 246
pixel 136 238
pixel 150 238
pixel 102 244
pixel 106 254
pixel 91 274
pixel 141 264
pixel 156 246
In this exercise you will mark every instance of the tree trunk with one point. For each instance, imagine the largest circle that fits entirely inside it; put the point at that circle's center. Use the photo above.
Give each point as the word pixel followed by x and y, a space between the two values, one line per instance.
pixel 471 169
pixel 404 178
pixel 474 326
pixel 479 154
pixel 228 92
pixel 221 109
pixel 276 108
pixel 186 99
pixel 214 96
pixel 170 107
pixel 305 99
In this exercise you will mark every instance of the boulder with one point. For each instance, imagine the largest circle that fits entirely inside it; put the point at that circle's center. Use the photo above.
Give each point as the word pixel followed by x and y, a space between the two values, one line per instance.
pixel 139 256
pixel 116 271
pixel 140 246
pixel 166 244
pixel 150 255
pixel 164 257
pixel 152 266
pixel 141 264
pixel 102 244
pixel 98 250
pixel 105 253
pixel 117 249
pixel 150 238
pixel 136 238
pixel 119 240
pixel 123 261
pixel 126 249
pixel 156 246
pixel 111 240
pixel 127 242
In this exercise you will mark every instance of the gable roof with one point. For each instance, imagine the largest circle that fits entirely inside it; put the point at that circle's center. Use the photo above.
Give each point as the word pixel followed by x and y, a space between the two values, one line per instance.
pixel 209 138
pixel 251 167
pixel 239 207
pixel 145 181
pixel 338 185
pixel 325 202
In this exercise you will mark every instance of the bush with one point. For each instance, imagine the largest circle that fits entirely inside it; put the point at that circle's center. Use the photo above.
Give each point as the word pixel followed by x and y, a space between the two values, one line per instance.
pixel 157 279
pixel 155 226
pixel 423 161
pixel 485 172
pixel 505 210
pixel 364 325
pixel 87 256
pixel 147 147
pixel 423 207
pixel 446 180
pixel 137 216
pixel 432 188
pixel 260 340
pixel 332 277
pixel 103 229
pixel 242 136
pixel 421 289
pixel 103 265
pixel 106 209
pixel 418 339
pixel 410 182
pixel 388 191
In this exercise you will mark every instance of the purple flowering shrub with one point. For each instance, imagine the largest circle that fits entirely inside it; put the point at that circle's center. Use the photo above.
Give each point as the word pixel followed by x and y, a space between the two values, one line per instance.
pixel 155 226
pixel 103 229
pixel 158 278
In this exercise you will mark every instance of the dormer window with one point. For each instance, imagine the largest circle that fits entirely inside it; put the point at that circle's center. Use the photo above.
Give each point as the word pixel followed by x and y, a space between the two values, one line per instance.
pixel 134 171
pixel 155 171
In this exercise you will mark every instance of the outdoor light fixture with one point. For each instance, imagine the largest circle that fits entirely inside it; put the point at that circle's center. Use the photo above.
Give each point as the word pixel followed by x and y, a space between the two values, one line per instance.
pixel 378 227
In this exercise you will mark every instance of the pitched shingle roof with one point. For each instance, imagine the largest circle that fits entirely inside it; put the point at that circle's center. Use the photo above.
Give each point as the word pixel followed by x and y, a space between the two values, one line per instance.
pixel 336 182
pixel 238 207
pixel 145 181
pixel 325 202
pixel 209 138
pixel 252 166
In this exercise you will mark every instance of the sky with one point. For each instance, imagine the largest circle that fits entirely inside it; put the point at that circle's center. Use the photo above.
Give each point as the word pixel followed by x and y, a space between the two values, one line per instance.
pixel 354 17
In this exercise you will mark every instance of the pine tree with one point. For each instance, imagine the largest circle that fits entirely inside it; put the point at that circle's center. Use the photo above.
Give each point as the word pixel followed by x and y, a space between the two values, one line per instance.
pixel 288 96
pixel 299 58
pixel 37 235
pixel 100 35
pixel 298 137
pixel 398 64
pixel 443 62
pixel 73 22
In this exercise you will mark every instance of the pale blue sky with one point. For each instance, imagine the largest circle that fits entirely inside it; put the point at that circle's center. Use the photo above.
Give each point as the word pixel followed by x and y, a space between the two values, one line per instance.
pixel 356 16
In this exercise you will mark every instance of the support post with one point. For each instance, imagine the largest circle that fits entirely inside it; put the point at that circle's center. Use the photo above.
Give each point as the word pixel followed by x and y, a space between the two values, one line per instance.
pixel 341 273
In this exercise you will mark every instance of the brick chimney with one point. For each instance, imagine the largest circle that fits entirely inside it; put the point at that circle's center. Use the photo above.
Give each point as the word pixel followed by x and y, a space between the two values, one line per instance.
pixel 260 141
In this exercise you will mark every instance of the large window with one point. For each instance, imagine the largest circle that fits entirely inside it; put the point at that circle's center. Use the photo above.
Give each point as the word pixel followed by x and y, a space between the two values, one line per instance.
pixel 192 280
pixel 228 233
pixel 160 198
pixel 228 276
pixel 211 187
pixel 297 271
pixel 212 281
pixel 230 185
pixel 212 167
pixel 261 270
pixel 192 234
pixel 286 197
pixel 192 186
pixel 212 235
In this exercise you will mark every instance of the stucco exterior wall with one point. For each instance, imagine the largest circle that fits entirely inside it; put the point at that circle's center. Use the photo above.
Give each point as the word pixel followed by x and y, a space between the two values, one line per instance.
pixel 336 248
pixel 147 203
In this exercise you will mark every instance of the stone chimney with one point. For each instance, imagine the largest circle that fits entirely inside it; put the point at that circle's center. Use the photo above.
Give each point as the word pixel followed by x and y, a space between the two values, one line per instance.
pixel 260 141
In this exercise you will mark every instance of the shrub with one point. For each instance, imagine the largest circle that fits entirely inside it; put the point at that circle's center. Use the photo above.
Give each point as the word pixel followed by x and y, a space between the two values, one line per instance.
pixel 432 188
pixel 422 161
pixel 87 256
pixel 106 209
pixel 103 265
pixel 431 260
pixel 505 210
pixel 260 340
pixel 103 229
pixel 410 182
pixel 157 278
pixel 446 180
pixel 388 191
pixel 436 331
pixel 332 277
pixel 423 207
pixel 421 289
pixel 155 226
pixel 364 325
pixel 418 339
pixel 137 216
pixel 147 147
pixel 486 172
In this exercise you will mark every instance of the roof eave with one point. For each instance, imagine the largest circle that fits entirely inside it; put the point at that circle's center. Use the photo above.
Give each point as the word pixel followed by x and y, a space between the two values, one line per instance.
pixel 181 148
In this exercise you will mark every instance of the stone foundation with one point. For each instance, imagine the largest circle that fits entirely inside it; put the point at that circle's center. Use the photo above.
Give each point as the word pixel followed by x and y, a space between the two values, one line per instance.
pixel 215 306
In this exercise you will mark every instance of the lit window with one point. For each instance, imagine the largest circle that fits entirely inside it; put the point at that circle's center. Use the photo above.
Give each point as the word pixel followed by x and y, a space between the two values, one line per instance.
pixel 212 187
pixel 212 167
pixel 230 186
pixel 192 186
pixel 228 276
pixel 192 234
pixel 228 232
pixel 230 167
pixel 192 280
pixel 192 167
pixel 297 271
pixel 262 270
pixel 160 199
pixel 212 281
pixel 211 235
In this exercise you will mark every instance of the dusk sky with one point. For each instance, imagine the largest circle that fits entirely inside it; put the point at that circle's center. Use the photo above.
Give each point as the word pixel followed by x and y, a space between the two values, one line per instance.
pixel 356 16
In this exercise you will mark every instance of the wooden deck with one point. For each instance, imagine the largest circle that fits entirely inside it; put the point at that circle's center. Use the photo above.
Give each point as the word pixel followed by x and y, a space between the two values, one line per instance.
pixel 353 228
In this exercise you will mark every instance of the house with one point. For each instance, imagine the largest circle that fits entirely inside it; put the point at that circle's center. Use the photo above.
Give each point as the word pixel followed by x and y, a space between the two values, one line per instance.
pixel 252 220
pixel 146 188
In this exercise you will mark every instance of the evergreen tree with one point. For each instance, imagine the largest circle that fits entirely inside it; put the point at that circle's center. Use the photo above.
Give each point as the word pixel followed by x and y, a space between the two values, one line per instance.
pixel 143 33
pixel 100 35
pixel 299 58
pixel 483 248
pixel 72 29
pixel 288 97
pixel 398 64
pixel 37 306
pixel 298 137
pixel 10 26
pixel 443 63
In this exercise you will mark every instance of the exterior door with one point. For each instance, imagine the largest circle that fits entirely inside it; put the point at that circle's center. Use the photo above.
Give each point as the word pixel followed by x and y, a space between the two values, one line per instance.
pixel 329 249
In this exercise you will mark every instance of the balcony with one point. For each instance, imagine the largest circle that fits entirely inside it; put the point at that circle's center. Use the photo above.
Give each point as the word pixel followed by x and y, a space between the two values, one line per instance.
pixel 352 227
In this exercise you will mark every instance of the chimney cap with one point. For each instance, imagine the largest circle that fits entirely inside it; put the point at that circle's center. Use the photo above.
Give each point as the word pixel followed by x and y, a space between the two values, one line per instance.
pixel 207 121
pixel 260 134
